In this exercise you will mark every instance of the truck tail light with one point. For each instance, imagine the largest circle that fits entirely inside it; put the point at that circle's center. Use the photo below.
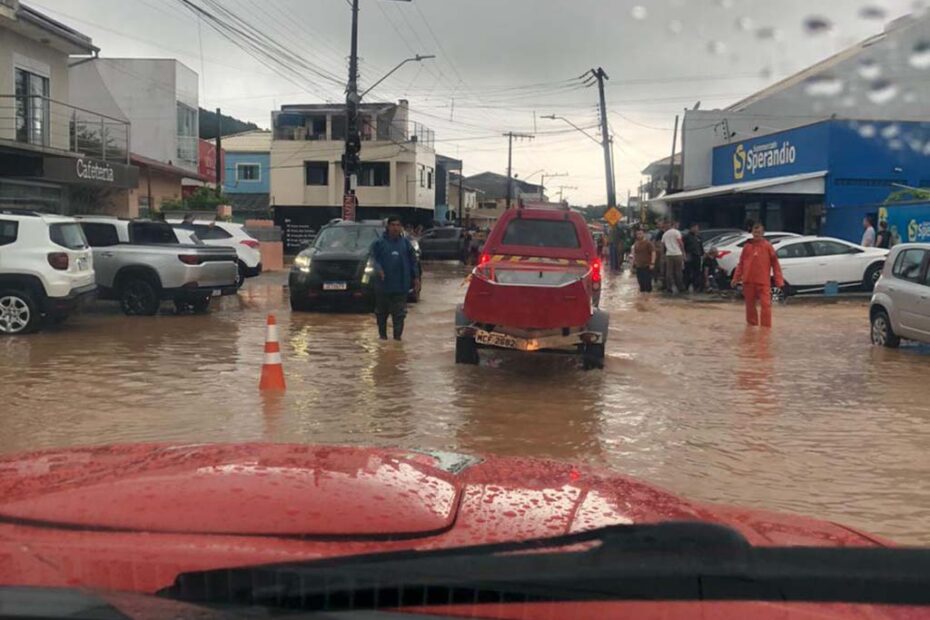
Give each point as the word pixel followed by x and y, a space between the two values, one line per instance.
pixel 58 260
pixel 252 243
pixel 484 260
pixel 190 259
pixel 723 253
pixel 596 270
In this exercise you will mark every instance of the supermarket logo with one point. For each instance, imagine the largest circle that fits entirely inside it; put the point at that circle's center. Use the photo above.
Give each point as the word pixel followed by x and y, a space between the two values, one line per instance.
pixel 762 156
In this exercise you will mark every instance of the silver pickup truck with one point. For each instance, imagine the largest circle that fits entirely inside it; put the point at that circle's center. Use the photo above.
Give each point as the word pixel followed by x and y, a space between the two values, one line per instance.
pixel 140 263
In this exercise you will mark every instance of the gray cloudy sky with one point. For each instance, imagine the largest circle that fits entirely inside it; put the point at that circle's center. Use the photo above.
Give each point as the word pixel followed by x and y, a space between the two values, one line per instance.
pixel 501 61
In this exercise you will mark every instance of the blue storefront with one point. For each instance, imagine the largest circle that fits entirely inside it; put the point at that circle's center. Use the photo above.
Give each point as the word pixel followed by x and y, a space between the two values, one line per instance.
pixel 823 178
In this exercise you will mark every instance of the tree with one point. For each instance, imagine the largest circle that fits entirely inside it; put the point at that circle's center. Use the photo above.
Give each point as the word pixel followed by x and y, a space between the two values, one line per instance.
pixel 208 125
pixel 203 199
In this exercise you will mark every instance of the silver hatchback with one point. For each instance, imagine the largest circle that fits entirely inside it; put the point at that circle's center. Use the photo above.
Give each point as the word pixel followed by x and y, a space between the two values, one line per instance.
pixel 901 300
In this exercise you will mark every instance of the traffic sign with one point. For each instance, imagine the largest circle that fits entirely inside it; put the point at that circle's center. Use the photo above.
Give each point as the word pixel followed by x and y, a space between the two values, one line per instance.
pixel 613 216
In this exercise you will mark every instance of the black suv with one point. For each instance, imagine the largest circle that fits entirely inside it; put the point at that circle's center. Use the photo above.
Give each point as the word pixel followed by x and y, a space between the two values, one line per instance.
pixel 336 271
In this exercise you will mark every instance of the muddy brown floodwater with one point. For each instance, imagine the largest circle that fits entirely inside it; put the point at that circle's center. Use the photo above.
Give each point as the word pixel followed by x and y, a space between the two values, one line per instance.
pixel 808 418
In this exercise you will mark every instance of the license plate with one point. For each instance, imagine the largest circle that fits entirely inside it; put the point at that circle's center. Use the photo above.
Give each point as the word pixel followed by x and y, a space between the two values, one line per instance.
pixel 217 292
pixel 335 286
pixel 497 340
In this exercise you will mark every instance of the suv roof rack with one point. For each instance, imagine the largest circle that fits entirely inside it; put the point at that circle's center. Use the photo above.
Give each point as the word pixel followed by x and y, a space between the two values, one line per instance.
pixel 29 212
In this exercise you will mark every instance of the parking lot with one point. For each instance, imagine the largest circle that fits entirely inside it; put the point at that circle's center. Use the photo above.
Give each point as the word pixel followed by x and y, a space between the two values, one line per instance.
pixel 809 418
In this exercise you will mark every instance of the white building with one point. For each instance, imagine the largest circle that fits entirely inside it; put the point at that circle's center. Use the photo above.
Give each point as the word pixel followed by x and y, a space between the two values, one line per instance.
pixel 398 164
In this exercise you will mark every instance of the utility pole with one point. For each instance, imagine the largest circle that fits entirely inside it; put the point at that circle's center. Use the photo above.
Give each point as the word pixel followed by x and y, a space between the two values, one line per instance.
pixel 562 189
pixel 600 76
pixel 219 152
pixel 542 182
pixel 510 136
pixel 351 159
pixel 671 162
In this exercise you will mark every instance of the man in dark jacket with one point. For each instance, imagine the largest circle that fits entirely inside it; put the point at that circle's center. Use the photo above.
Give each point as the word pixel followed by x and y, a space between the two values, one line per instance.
pixel 395 263
pixel 694 253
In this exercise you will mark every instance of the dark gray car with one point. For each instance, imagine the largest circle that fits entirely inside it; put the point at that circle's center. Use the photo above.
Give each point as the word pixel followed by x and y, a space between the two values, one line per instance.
pixel 446 243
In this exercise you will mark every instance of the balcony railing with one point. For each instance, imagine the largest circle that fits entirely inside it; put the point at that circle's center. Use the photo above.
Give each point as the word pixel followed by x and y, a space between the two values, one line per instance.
pixel 45 122
pixel 294 129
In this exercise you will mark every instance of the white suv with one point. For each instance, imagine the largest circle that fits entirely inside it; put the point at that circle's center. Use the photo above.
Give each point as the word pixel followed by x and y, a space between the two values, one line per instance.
pixel 46 269
pixel 901 301
pixel 229 235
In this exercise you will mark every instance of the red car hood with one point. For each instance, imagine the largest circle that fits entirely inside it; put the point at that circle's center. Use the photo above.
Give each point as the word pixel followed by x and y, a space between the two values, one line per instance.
pixel 132 517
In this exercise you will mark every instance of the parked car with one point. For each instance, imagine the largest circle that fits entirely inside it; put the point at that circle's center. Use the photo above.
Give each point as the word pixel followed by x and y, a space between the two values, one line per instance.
pixel 228 235
pixel 140 263
pixel 337 271
pixel 901 302
pixel 709 235
pixel 446 243
pixel 536 288
pixel 46 270
pixel 809 263
pixel 730 248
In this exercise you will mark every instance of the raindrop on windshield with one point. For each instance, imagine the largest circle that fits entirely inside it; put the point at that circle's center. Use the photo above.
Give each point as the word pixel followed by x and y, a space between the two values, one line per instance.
pixel 716 47
pixel 823 86
pixel 768 32
pixel 868 131
pixel 817 25
pixel 639 12
pixel 882 91
pixel 744 23
pixel 872 12
pixel 869 69
pixel 675 26
pixel 891 131
pixel 920 55
pixel 726 4
pixel 910 97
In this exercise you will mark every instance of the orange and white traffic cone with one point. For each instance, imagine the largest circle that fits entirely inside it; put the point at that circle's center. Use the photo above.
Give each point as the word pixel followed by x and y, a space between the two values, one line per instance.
pixel 272 370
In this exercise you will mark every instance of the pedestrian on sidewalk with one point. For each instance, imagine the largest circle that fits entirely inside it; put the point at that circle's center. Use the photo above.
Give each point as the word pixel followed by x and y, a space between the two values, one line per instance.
pixel 674 259
pixel 884 236
pixel 758 265
pixel 395 263
pixel 868 237
pixel 694 254
pixel 644 261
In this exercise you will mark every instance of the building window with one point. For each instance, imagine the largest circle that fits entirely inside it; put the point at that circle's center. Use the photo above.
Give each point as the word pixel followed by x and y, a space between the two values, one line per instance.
pixel 187 134
pixel 429 178
pixel 422 176
pixel 375 174
pixel 32 108
pixel 248 172
pixel 316 172
pixel 339 127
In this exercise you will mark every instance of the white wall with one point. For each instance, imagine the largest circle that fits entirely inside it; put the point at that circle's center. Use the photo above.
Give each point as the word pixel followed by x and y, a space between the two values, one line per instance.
pixel 849 88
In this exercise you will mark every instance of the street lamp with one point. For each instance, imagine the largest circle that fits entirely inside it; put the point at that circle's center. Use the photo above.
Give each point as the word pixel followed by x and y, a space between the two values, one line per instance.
pixel 417 58
pixel 350 159
pixel 562 118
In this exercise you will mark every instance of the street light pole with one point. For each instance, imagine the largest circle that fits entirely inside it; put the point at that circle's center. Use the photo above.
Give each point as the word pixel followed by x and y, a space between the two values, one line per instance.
pixel 353 148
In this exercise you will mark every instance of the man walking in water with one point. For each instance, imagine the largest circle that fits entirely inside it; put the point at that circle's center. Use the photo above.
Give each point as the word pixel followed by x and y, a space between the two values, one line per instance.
pixel 395 264
pixel 758 264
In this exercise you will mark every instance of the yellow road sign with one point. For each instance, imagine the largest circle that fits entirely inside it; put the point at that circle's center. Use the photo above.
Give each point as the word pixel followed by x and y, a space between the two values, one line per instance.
pixel 613 216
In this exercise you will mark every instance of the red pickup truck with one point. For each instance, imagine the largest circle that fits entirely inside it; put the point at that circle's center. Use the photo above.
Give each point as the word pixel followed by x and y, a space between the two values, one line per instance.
pixel 536 288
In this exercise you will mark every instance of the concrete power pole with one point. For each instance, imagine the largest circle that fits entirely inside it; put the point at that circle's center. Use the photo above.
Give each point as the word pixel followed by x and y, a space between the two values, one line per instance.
pixel 353 148
pixel 219 152
pixel 510 136
pixel 600 75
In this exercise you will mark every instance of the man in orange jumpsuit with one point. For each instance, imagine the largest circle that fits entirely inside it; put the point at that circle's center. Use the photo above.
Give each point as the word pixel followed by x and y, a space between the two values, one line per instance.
pixel 757 265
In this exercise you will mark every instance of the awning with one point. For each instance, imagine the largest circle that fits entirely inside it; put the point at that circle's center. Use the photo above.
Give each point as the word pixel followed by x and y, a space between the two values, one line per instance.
pixel 806 183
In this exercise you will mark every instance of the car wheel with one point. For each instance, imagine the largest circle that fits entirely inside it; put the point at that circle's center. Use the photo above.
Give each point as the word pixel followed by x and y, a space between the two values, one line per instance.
pixel 240 275
pixel 872 274
pixel 19 313
pixel 201 306
pixel 592 356
pixel 300 305
pixel 466 350
pixel 138 297
pixel 882 334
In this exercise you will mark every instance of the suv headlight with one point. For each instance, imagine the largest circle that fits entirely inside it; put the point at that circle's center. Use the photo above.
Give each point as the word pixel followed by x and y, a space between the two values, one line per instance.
pixel 303 262
pixel 369 271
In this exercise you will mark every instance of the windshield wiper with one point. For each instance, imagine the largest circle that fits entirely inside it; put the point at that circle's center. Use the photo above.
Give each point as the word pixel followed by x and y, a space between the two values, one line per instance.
pixel 667 562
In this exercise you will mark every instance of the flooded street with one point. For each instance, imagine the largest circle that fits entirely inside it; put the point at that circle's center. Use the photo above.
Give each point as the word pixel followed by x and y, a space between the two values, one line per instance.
pixel 808 418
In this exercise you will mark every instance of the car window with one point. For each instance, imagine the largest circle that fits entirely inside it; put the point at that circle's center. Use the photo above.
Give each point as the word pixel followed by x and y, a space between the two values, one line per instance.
pixel 348 238
pixel 823 247
pixel 152 232
pixel 446 233
pixel 100 235
pixel 68 235
pixel 8 232
pixel 795 250
pixel 210 233
pixel 907 265
pixel 541 233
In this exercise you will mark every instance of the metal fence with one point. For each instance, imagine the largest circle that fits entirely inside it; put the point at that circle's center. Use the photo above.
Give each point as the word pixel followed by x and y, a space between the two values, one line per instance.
pixel 45 122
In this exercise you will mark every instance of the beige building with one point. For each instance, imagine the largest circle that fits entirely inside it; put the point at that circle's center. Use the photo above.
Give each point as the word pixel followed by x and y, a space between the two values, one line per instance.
pixel 398 163
pixel 54 155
